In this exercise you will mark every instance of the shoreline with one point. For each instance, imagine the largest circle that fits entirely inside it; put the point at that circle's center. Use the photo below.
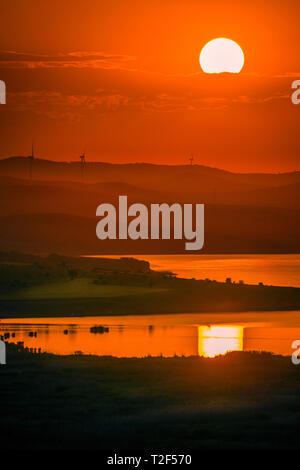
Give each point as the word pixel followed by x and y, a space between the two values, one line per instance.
pixel 58 286
pixel 125 314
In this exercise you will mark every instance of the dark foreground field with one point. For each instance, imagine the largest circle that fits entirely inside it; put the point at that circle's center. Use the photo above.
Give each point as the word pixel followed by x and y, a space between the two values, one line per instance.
pixel 238 401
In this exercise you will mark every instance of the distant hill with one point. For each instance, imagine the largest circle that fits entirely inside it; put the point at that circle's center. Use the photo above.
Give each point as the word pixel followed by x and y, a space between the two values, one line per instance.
pixel 244 213
pixel 149 182
pixel 150 176
pixel 58 186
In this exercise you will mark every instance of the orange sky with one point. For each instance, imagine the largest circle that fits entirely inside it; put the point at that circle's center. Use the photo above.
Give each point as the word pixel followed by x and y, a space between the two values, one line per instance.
pixel 122 80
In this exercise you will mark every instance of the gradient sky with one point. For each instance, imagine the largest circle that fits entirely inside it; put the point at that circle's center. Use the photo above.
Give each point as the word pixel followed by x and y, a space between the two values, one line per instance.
pixel 121 79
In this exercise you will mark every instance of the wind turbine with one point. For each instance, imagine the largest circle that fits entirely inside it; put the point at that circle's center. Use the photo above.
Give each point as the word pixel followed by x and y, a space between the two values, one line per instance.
pixel 82 166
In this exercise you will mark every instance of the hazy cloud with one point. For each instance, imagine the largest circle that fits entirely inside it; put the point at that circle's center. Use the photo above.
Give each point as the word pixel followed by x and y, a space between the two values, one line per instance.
pixel 77 59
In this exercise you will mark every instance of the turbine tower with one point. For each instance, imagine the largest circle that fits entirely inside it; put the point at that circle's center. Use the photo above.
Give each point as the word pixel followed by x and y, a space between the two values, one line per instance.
pixel 191 159
pixel 82 166
pixel 30 161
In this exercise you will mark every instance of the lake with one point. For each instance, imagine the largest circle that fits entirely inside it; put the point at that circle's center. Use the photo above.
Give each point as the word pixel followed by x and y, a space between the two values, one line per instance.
pixel 153 335
pixel 182 334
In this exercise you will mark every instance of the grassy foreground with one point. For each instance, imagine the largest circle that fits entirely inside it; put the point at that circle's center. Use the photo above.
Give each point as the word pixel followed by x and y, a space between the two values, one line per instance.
pixel 81 288
pixel 237 401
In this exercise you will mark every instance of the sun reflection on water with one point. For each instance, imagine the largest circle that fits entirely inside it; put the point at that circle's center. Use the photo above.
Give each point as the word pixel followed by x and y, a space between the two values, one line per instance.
pixel 214 340
pixel 205 335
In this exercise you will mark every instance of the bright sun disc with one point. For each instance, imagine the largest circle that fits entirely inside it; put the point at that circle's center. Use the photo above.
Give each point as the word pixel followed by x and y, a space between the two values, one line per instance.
pixel 221 55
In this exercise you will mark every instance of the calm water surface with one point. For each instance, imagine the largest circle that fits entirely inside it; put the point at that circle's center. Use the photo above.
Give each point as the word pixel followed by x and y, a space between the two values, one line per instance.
pixel 182 334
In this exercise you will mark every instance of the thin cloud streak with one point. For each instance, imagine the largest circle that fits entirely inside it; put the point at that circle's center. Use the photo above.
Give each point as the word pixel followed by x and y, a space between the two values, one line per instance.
pixel 76 59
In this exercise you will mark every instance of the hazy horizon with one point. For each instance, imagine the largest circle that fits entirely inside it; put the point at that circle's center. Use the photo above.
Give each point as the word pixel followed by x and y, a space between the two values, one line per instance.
pixel 106 162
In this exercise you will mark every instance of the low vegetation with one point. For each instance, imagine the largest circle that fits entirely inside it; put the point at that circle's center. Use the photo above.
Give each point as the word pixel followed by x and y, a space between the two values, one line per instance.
pixel 237 401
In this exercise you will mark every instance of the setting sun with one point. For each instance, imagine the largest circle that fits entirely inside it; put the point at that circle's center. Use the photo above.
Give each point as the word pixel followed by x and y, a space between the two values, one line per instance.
pixel 221 55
